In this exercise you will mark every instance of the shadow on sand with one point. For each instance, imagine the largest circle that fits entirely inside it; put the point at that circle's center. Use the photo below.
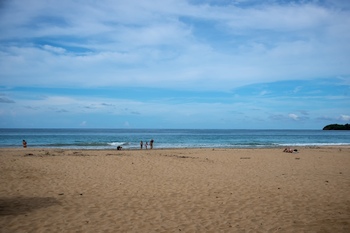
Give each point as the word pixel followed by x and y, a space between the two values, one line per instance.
pixel 23 205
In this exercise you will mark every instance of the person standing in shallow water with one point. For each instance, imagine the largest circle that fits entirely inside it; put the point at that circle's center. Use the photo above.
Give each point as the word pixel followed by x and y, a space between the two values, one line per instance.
pixel 151 143
pixel 141 144
pixel 24 143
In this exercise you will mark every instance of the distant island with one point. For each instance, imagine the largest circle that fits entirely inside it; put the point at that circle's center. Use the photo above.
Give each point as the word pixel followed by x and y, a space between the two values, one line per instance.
pixel 337 127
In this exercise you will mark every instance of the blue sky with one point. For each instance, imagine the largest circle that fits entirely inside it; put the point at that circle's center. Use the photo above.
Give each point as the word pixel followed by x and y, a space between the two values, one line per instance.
pixel 224 64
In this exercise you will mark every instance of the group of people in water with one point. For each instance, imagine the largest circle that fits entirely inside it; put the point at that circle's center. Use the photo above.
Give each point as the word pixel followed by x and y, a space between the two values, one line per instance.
pixel 287 150
pixel 146 144
pixel 24 143
pixel 150 144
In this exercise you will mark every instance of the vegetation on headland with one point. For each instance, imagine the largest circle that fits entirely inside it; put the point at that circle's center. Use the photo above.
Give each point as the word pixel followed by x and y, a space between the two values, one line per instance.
pixel 337 127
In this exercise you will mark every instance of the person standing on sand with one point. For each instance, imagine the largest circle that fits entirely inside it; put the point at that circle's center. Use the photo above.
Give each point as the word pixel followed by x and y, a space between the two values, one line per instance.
pixel 151 143
pixel 146 145
pixel 24 143
pixel 141 144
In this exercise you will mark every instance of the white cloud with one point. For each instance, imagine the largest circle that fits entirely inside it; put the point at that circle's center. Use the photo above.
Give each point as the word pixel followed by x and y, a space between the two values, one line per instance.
pixel 293 116
pixel 170 43
pixel 345 118
pixel 54 49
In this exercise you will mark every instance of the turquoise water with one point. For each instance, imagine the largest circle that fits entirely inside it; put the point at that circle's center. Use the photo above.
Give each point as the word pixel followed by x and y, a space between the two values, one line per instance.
pixel 170 138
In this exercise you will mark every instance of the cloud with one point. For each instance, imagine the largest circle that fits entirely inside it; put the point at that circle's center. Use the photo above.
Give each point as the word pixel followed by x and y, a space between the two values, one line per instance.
pixel 230 61
pixel 175 44
pixel 344 118
pixel 83 123
pixel 165 108
pixel 304 112
pixel 293 116
pixel 107 105
pixel 264 92
pixel 62 111
pixel 6 100
pixel 35 108
pixel 54 49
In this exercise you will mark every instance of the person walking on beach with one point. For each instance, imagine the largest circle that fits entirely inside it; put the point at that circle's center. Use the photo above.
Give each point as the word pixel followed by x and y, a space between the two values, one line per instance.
pixel 151 143
pixel 24 143
pixel 141 144
pixel 146 145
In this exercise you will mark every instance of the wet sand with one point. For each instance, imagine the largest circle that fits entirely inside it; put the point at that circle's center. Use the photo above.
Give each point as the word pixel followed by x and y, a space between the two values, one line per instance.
pixel 175 190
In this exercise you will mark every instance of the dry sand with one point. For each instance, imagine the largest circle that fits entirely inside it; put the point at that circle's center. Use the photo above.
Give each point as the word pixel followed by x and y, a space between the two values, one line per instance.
pixel 181 190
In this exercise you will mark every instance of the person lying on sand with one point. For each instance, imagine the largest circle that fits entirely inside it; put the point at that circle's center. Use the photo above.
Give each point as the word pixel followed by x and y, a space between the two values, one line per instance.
pixel 288 150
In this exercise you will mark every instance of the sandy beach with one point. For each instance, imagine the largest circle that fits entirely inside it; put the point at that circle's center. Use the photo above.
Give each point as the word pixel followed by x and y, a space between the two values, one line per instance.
pixel 175 190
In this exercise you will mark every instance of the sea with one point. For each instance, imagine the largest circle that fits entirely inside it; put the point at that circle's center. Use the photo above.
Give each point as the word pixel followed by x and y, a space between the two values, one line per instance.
pixel 170 138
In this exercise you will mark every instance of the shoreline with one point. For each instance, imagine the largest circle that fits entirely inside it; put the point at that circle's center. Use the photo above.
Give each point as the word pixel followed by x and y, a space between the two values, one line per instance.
pixel 175 190
pixel 179 148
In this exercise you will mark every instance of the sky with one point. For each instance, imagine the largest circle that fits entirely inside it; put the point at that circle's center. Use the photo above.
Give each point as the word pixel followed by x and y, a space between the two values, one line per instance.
pixel 174 64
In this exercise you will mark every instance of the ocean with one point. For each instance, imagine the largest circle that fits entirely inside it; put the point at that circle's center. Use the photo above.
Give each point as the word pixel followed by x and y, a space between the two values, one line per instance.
pixel 170 138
